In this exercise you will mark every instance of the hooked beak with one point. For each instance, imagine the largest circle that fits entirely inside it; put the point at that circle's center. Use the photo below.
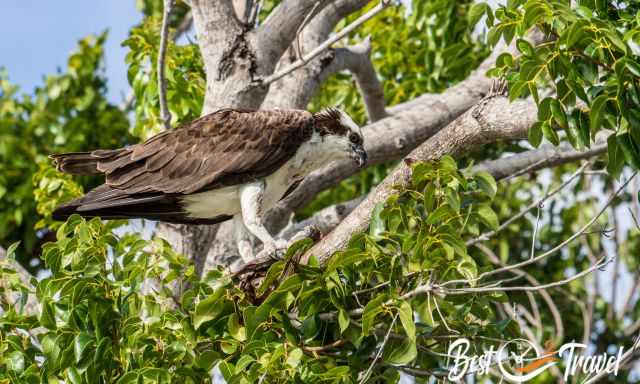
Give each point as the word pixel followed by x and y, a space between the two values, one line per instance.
pixel 359 155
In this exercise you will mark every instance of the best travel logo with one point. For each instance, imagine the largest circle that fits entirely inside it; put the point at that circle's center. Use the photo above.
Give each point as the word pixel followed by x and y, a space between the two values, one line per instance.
pixel 520 360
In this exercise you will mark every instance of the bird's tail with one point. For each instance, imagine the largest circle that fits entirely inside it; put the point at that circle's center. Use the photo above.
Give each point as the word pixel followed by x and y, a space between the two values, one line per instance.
pixel 77 163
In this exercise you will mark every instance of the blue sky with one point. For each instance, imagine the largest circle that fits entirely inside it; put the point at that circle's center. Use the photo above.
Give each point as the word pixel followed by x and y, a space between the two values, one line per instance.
pixel 38 35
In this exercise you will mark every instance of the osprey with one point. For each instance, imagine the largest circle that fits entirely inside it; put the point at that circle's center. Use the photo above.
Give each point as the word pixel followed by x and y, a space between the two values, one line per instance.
pixel 230 164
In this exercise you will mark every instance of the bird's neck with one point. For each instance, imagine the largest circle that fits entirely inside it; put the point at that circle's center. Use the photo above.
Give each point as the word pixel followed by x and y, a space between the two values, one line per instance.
pixel 311 155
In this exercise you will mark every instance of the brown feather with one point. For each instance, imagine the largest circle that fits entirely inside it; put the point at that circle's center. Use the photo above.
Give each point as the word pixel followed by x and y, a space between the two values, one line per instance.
pixel 224 148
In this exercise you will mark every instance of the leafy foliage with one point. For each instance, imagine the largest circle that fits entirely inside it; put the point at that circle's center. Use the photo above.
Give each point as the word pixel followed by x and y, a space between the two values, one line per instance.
pixel 184 72
pixel 99 320
pixel 590 61
pixel 68 113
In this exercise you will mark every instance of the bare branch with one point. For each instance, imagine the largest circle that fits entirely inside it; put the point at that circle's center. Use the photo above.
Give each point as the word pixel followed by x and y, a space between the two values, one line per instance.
pixel 625 359
pixel 557 247
pixel 487 235
pixel 545 157
pixel 356 59
pixel 328 218
pixel 165 115
pixel 528 288
pixel 296 90
pixel 243 8
pixel 324 46
pixel 553 308
pixel 278 31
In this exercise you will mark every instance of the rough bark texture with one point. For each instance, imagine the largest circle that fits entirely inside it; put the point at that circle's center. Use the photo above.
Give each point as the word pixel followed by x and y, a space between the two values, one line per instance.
pixel 522 163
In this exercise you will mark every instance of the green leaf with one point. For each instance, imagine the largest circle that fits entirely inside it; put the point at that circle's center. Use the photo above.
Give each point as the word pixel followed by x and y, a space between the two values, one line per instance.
pixel 293 360
pixel 236 331
pixel 488 216
pixel 377 225
pixel 487 183
pixel 596 114
pixel 550 134
pixel 81 342
pixel 15 361
pixel 405 312
pixel 558 113
pixel 615 157
pixel 47 317
pixel 475 13
pixel 343 320
pixel 209 308
pixel 544 109
pixel 371 310
pixel 525 47
pixel 400 352
pixel 227 369
pixel 535 134
pixel 582 125
pixel 633 67
pixel 629 149
pixel 11 251
pixel 517 89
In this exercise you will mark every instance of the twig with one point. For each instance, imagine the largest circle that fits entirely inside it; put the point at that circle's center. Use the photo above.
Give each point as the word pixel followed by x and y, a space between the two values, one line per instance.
pixel 379 353
pixel 487 235
pixel 324 46
pixel 457 291
pixel 535 232
pixel 165 115
pixel 301 28
pixel 553 308
pixel 323 348
pixel 557 247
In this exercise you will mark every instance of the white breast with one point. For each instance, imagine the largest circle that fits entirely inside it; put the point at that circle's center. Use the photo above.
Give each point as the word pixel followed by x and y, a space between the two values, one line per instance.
pixel 311 155
pixel 226 201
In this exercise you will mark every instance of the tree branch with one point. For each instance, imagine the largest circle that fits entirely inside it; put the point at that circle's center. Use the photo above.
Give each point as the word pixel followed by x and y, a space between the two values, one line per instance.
pixel 165 115
pixel 296 90
pixel 357 60
pixel 395 136
pixel 278 31
pixel 324 46
pixel 494 118
pixel 328 218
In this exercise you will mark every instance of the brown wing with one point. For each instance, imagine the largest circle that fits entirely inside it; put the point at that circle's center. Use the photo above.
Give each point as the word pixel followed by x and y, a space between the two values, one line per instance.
pixel 223 148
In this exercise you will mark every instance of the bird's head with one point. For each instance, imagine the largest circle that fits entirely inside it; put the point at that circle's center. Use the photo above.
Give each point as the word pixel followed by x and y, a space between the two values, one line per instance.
pixel 341 135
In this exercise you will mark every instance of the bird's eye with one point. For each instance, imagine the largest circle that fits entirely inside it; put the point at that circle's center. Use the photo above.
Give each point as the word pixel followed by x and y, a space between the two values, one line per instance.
pixel 354 138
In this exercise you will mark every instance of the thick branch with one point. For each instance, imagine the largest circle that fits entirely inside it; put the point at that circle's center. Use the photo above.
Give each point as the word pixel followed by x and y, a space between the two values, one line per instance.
pixel 492 119
pixel 279 29
pixel 356 59
pixel 395 136
pixel 226 53
pixel 296 90
pixel 547 156
pixel 322 47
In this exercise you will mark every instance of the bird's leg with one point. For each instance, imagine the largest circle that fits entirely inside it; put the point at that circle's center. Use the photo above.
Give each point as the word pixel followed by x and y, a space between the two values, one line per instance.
pixel 243 239
pixel 251 204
